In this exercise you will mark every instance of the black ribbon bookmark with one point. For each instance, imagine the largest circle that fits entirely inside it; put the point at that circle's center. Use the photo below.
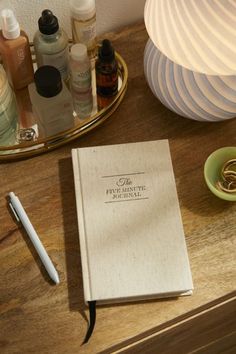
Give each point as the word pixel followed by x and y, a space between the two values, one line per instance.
pixel 92 320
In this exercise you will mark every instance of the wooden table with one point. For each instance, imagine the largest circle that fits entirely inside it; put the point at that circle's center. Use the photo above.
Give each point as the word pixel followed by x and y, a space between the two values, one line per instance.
pixel 38 317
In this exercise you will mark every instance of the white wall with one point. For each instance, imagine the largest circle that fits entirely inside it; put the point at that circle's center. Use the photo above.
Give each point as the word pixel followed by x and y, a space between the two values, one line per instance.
pixel 111 14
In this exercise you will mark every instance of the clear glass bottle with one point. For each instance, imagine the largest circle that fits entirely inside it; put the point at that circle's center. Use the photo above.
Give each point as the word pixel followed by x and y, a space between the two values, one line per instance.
pixel 106 67
pixel 8 112
pixel 51 101
pixel 15 51
pixel 51 44
pixel 80 80
pixel 83 24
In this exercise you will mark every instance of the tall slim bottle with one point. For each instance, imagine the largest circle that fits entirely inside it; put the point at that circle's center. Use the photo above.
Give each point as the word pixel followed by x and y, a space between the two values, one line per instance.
pixel 83 23
pixel 80 80
pixel 15 51
pixel 106 74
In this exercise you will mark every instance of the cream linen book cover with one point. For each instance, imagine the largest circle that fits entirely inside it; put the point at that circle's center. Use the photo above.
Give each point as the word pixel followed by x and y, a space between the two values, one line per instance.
pixel 130 230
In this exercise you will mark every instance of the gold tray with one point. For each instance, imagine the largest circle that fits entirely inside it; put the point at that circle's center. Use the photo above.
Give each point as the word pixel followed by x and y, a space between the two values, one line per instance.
pixel 41 145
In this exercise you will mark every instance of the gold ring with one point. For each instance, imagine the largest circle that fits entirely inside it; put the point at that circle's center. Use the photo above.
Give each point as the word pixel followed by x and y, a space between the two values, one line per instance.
pixel 228 177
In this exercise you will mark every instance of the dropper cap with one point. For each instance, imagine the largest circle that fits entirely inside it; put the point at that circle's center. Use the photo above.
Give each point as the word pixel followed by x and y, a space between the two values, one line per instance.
pixel 106 51
pixel 48 23
pixel 9 24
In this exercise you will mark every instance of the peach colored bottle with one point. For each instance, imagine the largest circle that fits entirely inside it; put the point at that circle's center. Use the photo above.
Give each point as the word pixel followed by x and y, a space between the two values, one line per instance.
pixel 15 51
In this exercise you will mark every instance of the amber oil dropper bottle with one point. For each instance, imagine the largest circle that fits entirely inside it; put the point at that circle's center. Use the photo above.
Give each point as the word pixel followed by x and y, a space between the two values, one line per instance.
pixel 106 74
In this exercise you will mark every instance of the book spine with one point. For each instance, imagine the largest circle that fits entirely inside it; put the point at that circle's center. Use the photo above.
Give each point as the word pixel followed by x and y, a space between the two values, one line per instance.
pixel 81 225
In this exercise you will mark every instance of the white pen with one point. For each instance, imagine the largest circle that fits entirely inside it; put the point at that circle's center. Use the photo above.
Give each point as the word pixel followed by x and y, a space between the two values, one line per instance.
pixel 21 216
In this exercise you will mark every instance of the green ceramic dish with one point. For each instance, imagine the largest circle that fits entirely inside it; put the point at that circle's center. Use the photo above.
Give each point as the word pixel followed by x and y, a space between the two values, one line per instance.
pixel 212 170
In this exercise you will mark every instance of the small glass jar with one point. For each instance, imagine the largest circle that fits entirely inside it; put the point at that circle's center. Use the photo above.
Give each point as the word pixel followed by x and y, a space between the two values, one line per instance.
pixel 8 112
pixel 51 102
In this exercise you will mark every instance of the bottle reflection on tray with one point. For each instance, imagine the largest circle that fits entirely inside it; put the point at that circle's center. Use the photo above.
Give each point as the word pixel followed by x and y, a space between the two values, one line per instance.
pixel 26 116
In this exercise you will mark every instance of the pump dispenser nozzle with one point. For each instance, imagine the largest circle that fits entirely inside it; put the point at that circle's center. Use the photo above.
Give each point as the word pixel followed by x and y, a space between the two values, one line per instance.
pixel 10 26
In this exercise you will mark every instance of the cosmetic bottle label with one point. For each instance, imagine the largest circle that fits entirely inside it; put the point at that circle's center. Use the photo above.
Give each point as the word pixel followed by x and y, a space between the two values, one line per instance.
pixel 59 61
pixel 81 80
pixel 84 33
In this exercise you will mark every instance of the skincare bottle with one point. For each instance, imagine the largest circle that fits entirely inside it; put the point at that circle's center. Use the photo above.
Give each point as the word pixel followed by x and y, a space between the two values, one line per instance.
pixel 83 23
pixel 80 80
pixel 51 101
pixel 106 74
pixel 8 112
pixel 51 44
pixel 26 118
pixel 15 51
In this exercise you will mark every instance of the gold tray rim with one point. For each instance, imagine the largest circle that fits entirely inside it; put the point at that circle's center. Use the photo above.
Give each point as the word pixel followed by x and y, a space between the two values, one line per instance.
pixel 31 149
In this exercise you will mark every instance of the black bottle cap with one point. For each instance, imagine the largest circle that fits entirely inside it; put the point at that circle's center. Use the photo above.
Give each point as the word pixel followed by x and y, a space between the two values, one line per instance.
pixel 48 23
pixel 106 51
pixel 48 81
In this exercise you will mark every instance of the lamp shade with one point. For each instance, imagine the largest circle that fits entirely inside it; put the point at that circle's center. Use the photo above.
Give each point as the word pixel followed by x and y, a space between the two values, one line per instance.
pixel 197 34
pixel 190 58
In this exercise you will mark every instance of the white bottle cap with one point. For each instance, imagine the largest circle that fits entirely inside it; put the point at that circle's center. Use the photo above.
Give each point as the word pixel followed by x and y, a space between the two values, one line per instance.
pixel 79 52
pixel 10 26
pixel 82 9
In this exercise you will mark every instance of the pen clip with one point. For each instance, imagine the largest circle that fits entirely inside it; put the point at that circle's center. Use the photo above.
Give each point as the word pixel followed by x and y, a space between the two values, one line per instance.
pixel 14 212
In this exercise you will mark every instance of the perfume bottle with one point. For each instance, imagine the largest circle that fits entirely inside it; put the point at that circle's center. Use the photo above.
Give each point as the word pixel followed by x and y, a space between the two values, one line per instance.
pixel 83 23
pixel 106 67
pixel 51 101
pixel 51 44
pixel 8 112
pixel 80 80
pixel 15 51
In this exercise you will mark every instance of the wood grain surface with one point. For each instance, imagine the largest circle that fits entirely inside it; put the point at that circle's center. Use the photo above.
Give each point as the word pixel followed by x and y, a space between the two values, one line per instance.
pixel 38 317
pixel 212 331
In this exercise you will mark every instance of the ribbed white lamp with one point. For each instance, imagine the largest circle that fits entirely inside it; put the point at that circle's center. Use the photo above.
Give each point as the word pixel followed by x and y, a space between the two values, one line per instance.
pixel 190 60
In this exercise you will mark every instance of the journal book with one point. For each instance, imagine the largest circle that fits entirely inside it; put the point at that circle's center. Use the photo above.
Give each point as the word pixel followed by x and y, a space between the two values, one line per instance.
pixel 131 235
